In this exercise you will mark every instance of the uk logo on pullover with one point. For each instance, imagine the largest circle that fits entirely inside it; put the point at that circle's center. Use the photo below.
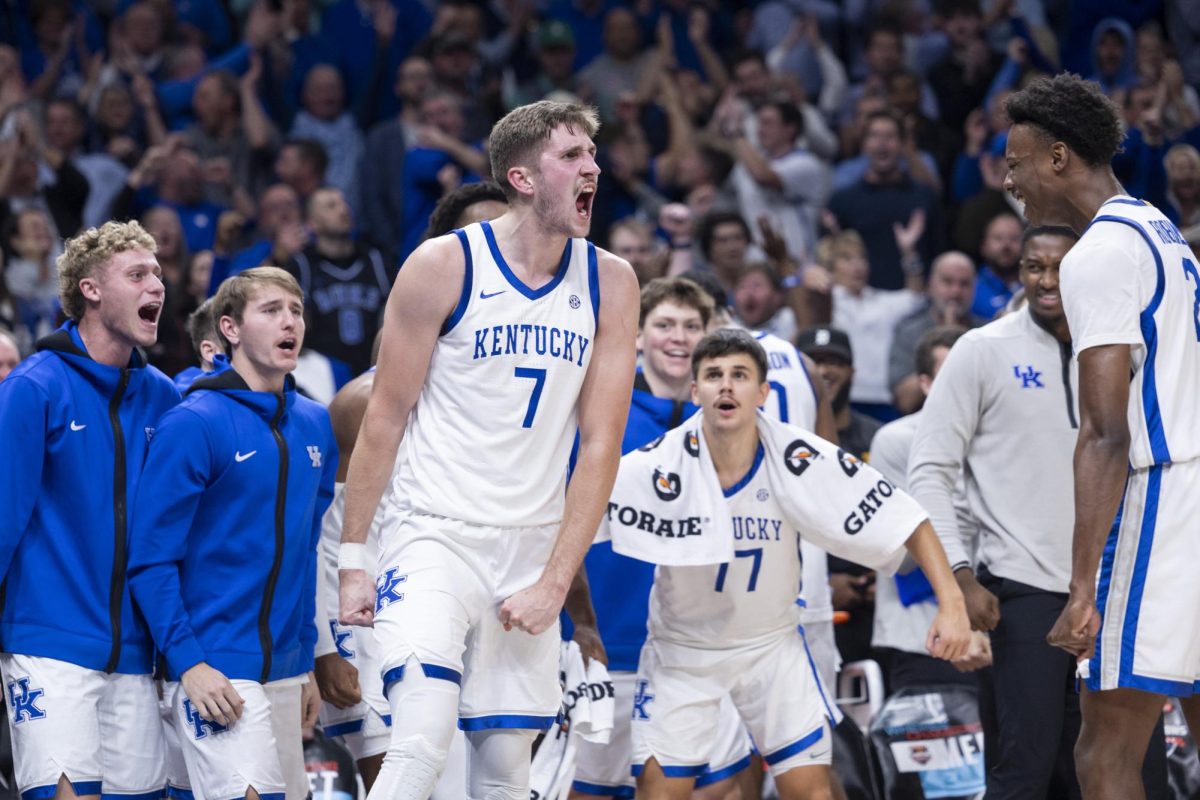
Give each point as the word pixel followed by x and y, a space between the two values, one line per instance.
pixel 223 548
pixel 75 436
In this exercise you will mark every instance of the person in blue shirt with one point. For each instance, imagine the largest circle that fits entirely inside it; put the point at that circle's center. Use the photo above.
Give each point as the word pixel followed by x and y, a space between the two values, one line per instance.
pixel 202 330
pixel 223 548
pixel 998 278
pixel 76 419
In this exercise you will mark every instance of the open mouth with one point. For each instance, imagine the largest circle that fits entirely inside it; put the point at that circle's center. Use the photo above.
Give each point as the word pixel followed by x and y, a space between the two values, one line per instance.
pixel 288 346
pixel 725 404
pixel 583 202
pixel 149 312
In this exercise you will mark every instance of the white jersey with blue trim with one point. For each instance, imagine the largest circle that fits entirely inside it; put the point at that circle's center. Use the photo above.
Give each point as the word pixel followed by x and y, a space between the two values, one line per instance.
pixel 489 438
pixel 793 398
pixel 1132 279
pixel 745 601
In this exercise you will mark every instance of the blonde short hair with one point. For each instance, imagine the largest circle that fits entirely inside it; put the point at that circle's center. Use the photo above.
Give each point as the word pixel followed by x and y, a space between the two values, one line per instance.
pixel 518 138
pixel 83 254
pixel 234 294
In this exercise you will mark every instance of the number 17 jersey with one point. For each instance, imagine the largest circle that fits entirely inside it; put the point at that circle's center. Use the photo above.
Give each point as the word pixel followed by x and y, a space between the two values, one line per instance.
pixel 489 439
pixel 1132 279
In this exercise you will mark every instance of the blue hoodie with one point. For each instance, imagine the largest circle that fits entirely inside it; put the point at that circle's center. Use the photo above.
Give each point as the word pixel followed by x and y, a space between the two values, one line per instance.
pixel 223 544
pixel 620 585
pixel 75 436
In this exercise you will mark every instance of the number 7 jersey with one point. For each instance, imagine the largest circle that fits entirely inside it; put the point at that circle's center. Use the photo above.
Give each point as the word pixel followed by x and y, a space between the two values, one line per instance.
pixel 489 439
pixel 1132 279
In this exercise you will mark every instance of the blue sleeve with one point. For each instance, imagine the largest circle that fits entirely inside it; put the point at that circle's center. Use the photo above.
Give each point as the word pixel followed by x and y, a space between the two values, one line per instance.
pixel 23 413
pixel 1006 78
pixel 308 631
pixel 175 478
pixel 175 97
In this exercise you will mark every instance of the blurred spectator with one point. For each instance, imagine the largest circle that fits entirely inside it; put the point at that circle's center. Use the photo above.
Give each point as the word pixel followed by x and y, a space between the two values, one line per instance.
pixel 1113 56
pixel 10 354
pixel 930 138
pixel 776 181
pixel 54 62
pixel 58 189
pixel 301 164
pixel 199 273
pixel 172 351
pixel 440 161
pixel 475 202
pixel 277 237
pixel 869 315
pixel 951 291
pixel 288 57
pixel 774 30
pixel 365 37
pixel 724 239
pixel 1183 27
pixel 206 346
pixel 456 66
pixel 918 163
pixel 232 136
pixel 884 56
pixel 830 348
pixel 960 80
pixel 758 302
pixel 1179 101
pixel 622 68
pixel 885 197
pixel 381 172
pixel 586 20
pixel 818 136
pixel 1183 186
pixel 66 124
pixel 171 174
pixel 555 56
pixel 999 271
pixel 31 273
pixel 633 241
pixel 324 119
pixel 346 284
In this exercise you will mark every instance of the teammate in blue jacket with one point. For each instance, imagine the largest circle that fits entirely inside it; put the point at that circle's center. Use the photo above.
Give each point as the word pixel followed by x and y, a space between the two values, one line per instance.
pixel 76 420
pixel 223 548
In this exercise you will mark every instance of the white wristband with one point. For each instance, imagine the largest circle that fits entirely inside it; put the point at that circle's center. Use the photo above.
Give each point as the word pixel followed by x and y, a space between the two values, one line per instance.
pixel 353 555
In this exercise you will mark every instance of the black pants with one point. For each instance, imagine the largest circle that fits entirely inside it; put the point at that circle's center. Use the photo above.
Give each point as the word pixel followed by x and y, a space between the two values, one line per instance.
pixel 1034 703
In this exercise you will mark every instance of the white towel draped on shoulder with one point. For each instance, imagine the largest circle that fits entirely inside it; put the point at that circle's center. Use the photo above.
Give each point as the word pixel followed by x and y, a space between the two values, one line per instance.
pixel 667 506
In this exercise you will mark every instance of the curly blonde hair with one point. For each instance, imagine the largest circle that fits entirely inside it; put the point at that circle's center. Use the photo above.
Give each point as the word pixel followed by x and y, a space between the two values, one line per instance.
pixel 88 253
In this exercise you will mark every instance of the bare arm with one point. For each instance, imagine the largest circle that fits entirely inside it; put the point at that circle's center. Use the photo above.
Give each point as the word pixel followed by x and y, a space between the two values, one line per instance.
pixel 422 297
pixel 583 616
pixel 756 164
pixel 1101 464
pixel 346 413
pixel 603 410
pixel 950 635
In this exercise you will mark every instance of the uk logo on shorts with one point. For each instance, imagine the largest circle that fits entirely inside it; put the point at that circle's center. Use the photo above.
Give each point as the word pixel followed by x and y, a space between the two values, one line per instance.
pixel 314 455
pixel 201 727
pixel 666 485
pixel 23 701
pixel 385 589
pixel 798 456
pixel 640 699
pixel 340 637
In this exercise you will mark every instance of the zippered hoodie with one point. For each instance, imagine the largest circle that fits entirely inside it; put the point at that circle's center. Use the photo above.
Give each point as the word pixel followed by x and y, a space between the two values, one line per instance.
pixel 75 436
pixel 223 546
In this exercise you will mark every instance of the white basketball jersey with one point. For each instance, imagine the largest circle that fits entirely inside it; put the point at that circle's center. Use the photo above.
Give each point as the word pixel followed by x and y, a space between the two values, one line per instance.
pixel 747 600
pixel 793 399
pixel 489 439
pixel 1132 279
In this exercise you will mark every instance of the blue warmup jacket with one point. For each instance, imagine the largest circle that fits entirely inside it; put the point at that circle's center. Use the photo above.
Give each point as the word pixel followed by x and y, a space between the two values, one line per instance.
pixel 223 545
pixel 620 585
pixel 75 436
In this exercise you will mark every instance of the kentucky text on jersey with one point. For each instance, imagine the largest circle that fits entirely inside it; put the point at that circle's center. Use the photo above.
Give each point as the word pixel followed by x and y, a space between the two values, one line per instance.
pixel 522 338
pixel 756 528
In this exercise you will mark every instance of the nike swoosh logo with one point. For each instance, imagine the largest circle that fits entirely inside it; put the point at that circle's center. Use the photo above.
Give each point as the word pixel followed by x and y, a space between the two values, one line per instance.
pixel 483 296
pixel 77 427
pixel 240 457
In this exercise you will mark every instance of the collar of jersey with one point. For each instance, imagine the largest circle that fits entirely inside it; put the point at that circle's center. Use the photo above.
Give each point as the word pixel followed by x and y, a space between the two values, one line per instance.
pixel 514 281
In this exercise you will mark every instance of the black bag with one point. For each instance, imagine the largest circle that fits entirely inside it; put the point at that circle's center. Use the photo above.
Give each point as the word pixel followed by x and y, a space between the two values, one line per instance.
pixel 331 771
pixel 1183 768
